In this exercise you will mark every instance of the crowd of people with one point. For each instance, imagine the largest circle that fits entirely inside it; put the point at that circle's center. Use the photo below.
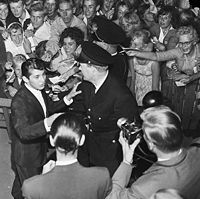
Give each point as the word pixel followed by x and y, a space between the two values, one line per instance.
pixel 73 69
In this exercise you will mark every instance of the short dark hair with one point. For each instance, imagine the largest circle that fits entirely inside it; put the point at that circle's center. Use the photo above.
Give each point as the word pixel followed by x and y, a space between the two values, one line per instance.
pixel 67 1
pixel 163 127
pixel 165 10
pixel 67 131
pixel 74 33
pixel 30 64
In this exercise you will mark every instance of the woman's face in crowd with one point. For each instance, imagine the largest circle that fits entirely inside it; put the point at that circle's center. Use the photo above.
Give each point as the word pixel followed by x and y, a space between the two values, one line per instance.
pixel 69 45
pixel 137 43
pixel 186 43
pixel 121 11
pixel 3 11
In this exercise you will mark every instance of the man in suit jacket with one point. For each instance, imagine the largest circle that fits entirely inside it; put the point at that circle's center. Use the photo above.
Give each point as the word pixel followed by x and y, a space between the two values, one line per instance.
pixel 163 134
pixel 68 179
pixel 104 99
pixel 31 117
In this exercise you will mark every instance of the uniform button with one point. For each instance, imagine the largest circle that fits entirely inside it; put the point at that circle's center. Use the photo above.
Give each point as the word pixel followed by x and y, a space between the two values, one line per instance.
pixel 90 130
pixel 90 123
pixel 88 117
pixel 89 109
pixel 113 141
pixel 99 118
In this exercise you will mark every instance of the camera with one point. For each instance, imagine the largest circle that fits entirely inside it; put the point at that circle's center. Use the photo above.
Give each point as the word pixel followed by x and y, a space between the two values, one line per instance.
pixel 130 131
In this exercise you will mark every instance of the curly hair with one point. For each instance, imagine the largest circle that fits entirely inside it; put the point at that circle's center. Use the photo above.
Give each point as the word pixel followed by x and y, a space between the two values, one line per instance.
pixel 188 30
pixel 74 33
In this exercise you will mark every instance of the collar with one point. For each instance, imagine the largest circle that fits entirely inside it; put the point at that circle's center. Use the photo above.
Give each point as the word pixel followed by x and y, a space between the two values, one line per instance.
pixel 66 162
pixel 114 54
pixel 100 83
pixel 175 160
pixel 165 159
pixel 34 91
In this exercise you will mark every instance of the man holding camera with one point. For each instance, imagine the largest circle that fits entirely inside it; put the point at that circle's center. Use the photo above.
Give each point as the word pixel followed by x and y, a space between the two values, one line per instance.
pixel 176 167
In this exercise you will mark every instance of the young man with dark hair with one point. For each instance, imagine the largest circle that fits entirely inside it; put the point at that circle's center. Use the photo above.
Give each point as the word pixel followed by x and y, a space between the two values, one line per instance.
pixel 68 178
pixel 32 114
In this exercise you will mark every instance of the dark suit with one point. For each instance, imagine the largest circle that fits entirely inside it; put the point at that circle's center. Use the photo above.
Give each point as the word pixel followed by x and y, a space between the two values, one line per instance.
pixel 69 181
pixel 29 136
pixel 112 101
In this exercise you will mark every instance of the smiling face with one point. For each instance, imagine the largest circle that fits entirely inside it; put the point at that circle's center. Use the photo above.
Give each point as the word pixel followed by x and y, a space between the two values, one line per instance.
pixel 186 43
pixel 89 8
pixel 36 79
pixel 69 45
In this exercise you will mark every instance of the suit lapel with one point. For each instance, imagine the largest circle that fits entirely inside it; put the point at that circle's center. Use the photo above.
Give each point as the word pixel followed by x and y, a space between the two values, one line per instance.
pixel 34 100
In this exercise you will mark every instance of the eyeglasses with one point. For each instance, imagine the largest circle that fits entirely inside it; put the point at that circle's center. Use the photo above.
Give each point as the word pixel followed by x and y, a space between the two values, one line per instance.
pixel 187 43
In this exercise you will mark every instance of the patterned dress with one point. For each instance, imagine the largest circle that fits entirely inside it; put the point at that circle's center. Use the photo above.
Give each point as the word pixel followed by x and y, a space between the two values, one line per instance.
pixel 143 79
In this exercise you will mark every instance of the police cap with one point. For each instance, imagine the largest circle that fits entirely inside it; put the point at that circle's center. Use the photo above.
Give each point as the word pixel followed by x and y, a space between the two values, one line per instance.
pixel 108 32
pixel 93 54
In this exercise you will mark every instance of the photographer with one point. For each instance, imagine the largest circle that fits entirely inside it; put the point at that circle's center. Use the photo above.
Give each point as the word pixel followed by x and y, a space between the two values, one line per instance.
pixel 163 134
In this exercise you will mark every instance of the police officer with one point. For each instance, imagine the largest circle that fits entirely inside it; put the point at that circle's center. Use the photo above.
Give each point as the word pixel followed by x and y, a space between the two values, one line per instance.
pixel 111 37
pixel 104 99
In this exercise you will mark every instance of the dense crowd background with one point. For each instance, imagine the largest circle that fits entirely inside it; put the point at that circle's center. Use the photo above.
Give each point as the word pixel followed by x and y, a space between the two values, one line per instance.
pixel 153 44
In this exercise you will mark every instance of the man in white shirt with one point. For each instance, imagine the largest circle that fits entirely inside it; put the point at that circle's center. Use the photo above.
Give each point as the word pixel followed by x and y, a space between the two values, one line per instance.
pixel 19 11
pixel 67 178
pixel 38 29
pixel 32 113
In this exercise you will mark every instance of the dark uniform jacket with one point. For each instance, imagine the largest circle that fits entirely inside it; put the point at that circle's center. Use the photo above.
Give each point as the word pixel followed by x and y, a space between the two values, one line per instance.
pixel 29 140
pixel 101 110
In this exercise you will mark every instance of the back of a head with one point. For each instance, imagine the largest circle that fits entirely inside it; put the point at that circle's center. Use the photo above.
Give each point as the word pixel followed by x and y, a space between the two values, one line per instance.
pixel 163 127
pixel 66 131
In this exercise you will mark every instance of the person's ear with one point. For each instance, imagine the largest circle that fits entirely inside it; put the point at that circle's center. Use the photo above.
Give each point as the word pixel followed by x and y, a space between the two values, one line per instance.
pixel 25 79
pixel 82 140
pixel 52 141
